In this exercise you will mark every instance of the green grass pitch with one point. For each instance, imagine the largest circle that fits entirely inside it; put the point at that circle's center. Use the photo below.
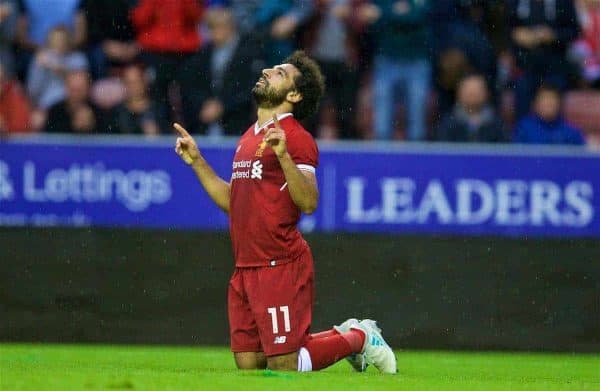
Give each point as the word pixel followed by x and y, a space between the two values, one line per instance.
pixel 98 367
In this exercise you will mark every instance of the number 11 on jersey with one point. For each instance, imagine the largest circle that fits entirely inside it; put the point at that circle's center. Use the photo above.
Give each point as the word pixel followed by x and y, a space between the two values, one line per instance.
pixel 286 318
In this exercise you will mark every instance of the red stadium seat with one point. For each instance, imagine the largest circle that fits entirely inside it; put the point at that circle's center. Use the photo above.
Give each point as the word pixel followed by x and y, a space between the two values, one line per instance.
pixel 582 108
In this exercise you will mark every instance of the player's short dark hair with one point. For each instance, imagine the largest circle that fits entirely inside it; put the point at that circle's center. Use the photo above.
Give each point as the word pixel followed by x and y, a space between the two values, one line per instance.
pixel 310 84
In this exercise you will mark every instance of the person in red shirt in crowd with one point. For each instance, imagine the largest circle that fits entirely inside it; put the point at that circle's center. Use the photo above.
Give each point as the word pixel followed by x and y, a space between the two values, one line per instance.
pixel 271 293
pixel 168 33
pixel 14 105
pixel 586 50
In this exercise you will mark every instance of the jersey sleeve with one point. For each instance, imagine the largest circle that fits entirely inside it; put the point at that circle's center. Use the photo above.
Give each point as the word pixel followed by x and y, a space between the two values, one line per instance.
pixel 303 150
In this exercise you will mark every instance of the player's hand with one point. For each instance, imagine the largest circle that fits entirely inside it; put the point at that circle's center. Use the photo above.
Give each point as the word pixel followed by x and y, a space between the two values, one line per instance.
pixel 185 146
pixel 276 139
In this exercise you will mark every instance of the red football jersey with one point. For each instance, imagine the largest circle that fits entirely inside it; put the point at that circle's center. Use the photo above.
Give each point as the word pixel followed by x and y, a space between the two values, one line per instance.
pixel 262 215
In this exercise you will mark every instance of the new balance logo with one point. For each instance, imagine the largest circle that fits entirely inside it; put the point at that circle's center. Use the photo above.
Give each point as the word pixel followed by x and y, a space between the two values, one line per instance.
pixel 6 187
pixel 280 339
pixel 257 170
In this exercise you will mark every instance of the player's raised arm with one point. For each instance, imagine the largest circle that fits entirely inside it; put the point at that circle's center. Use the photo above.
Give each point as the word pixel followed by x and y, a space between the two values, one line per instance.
pixel 302 185
pixel 215 186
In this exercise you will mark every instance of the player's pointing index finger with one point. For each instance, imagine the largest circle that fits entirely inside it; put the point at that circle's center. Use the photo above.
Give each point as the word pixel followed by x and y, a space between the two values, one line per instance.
pixel 181 130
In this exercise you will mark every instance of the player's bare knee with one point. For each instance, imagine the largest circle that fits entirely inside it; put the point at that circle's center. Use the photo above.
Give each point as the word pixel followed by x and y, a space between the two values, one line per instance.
pixel 241 364
pixel 287 362
pixel 250 360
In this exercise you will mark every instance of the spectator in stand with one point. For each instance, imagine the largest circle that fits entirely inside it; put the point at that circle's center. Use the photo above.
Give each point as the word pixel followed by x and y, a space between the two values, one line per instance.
pixel 14 105
pixel 462 46
pixel 586 50
pixel 541 31
pixel 137 114
pixel 473 117
pixel 8 23
pixel 279 21
pixel 216 82
pixel 37 18
pixel 168 34
pixel 545 125
pixel 245 12
pixel 331 38
pixel 402 38
pixel 111 38
pixel 46 76
pixel 75 114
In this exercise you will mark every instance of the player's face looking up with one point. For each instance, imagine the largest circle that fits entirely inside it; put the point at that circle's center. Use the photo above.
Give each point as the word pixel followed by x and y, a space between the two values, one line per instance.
pixel 275 86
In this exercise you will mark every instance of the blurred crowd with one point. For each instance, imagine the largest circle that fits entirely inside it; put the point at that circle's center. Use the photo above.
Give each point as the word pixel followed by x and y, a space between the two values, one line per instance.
pixel 439 70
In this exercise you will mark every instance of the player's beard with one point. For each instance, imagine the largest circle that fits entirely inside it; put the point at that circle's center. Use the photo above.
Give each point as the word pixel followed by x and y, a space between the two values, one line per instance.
pixel 267 97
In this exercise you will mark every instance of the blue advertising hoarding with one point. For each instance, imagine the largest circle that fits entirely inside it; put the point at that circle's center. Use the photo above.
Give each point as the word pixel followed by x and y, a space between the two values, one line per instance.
pixel 135 182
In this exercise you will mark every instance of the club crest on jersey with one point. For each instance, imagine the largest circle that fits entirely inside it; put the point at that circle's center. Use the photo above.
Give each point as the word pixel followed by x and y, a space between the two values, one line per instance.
pixel 257 170
pixel 261 149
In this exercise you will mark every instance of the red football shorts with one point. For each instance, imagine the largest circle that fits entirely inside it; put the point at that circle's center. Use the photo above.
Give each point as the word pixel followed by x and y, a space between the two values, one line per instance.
pixel 270 308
